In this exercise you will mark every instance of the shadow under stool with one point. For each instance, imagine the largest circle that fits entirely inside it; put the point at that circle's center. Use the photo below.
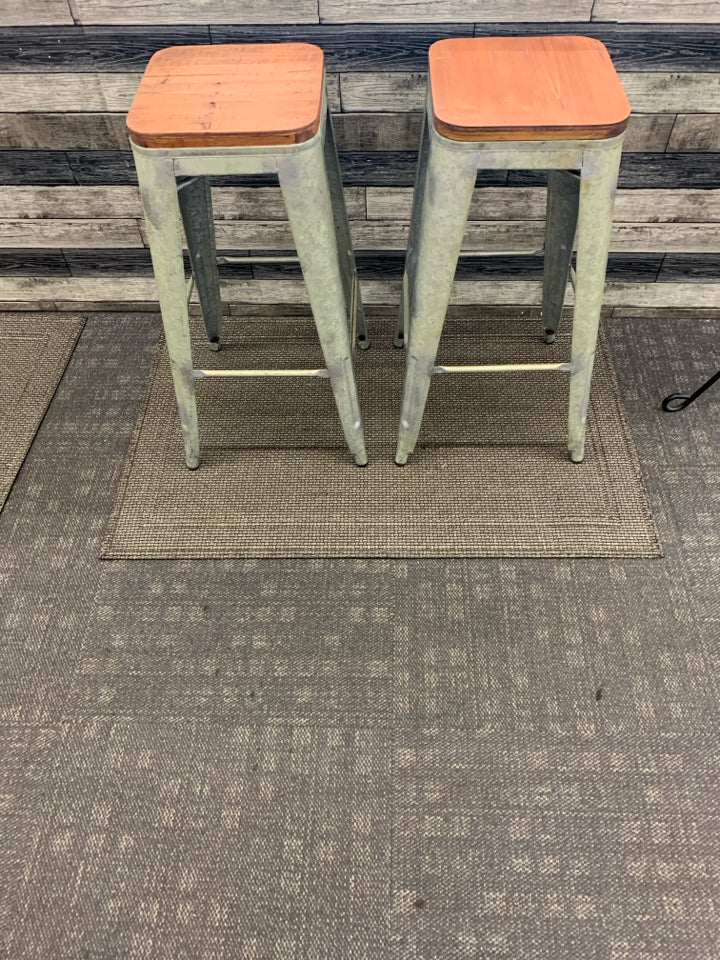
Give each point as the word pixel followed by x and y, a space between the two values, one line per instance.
pixel 213 110
pixel 550 103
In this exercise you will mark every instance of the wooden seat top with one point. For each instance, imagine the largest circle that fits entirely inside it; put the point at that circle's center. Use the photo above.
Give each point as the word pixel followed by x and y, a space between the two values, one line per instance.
pixel 526 88
pixel 235 94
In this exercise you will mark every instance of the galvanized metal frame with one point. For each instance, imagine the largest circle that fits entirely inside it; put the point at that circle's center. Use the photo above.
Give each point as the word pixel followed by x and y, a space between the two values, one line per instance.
pixel 174 189
pixel 582 185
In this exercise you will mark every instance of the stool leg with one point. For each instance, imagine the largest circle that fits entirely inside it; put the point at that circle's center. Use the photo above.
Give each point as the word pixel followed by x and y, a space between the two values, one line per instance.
pixel 344 241
pixel 158 191
pixel 197 213
pixel 562 212
pixel 401 331
pixel 306 192
pixel 597 195
pixel 442 215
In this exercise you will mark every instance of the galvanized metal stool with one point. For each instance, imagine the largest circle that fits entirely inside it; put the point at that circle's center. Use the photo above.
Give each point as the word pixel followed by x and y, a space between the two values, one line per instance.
pixel 553 103
pixel 204 111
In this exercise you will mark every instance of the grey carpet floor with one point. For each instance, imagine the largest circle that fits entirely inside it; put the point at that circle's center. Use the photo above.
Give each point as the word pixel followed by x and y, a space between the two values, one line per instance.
pixel 359 758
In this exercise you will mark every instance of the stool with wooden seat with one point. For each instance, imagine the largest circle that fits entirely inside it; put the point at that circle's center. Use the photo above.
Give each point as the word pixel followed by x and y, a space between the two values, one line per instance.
pixel 552 103
pixel 203 111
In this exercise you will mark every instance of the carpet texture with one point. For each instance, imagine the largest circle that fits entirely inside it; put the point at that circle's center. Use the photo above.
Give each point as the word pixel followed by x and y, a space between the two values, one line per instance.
pixel 490 476
pixel 359 759
pixel 34 352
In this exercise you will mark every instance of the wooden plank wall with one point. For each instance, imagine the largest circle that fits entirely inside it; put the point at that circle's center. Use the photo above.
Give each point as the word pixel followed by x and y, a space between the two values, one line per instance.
pixel 71 232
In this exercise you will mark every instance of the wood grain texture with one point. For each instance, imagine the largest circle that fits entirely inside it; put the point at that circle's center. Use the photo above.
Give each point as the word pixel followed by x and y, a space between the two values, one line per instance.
pixel 63 131
pixel 528 203
pixel 461 11
pixel 78 202
pixel 109 290
pixel 671 48
pixel 195 11
pixel 695 131
pixel 378 131
pixel 695 268
pixel 68 92
pixel 388 168
pixel 654 11
pixel 20 12
pixel 70 233
pixel 526 88
pixel 229 95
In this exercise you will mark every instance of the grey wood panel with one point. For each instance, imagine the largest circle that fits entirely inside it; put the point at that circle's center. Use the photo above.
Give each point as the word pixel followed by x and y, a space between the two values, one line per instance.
pixel 695 131
pixel 378 131
pixel 672 48
pixel 648 132
pixel 195 11
pixel 64 131
pixel 21 12
pixel 69 233
pixel 429 11
pixel 528 203
pixel 104 290
pixel 68 92
pixel 648 92
pixel 657 11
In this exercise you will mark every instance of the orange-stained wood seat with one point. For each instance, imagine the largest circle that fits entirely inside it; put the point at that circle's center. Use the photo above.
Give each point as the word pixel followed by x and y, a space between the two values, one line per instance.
pixel 525 88
pixel 229 95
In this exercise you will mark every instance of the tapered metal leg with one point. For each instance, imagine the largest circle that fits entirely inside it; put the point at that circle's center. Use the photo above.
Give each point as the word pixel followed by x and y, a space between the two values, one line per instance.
pixel 158 191
pixel 597 195
pixel 401 331
pixel 562 212
pixel 306 191
pixel 447 188
pixel 348 265
pixel 197 213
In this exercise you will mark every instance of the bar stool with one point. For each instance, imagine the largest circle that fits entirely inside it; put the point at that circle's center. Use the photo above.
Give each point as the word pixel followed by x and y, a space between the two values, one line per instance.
pixel 251 109
pixel 553 103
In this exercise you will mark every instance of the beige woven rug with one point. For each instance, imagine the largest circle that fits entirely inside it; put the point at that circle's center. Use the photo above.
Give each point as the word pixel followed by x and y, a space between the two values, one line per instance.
pixel 34 352
pixel 490 477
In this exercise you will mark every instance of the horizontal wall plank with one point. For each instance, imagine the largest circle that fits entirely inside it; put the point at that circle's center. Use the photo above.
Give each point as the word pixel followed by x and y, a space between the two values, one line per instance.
pixel 647 92
pixel 19 12
pixel 64 131
pixel 69 233
pixel 695 131
pixel 378 131
pixel 98 290
pixel 35 262
pixel 91 92
pixel 429 11
pixel 684 48
pixel 679 267
pixel 195 11
pixel 653 11
pixel 396 168
pixel 648 132
pixel 528 203
pixel 35 166
pixel 117 49
pixel 231 203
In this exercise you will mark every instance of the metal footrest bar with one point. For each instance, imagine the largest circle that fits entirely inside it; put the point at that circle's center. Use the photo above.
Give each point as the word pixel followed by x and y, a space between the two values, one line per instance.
pixel 213 374
pixel 501 367
pixel 251 259
pixel 503 253
pixel 572 277
pixel 189 287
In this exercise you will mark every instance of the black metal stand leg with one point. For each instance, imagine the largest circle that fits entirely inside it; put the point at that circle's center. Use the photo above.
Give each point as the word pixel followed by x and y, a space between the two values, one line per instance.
pixel 678 401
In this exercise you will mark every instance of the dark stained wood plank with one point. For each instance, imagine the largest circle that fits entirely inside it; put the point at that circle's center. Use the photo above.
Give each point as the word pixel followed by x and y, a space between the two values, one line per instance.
pixel 47 167
pixel 24 262
pixel 649 171
pixel 137 263
pixel 696 267
pixel 360 47
pixel 79 49
pixel 684 47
